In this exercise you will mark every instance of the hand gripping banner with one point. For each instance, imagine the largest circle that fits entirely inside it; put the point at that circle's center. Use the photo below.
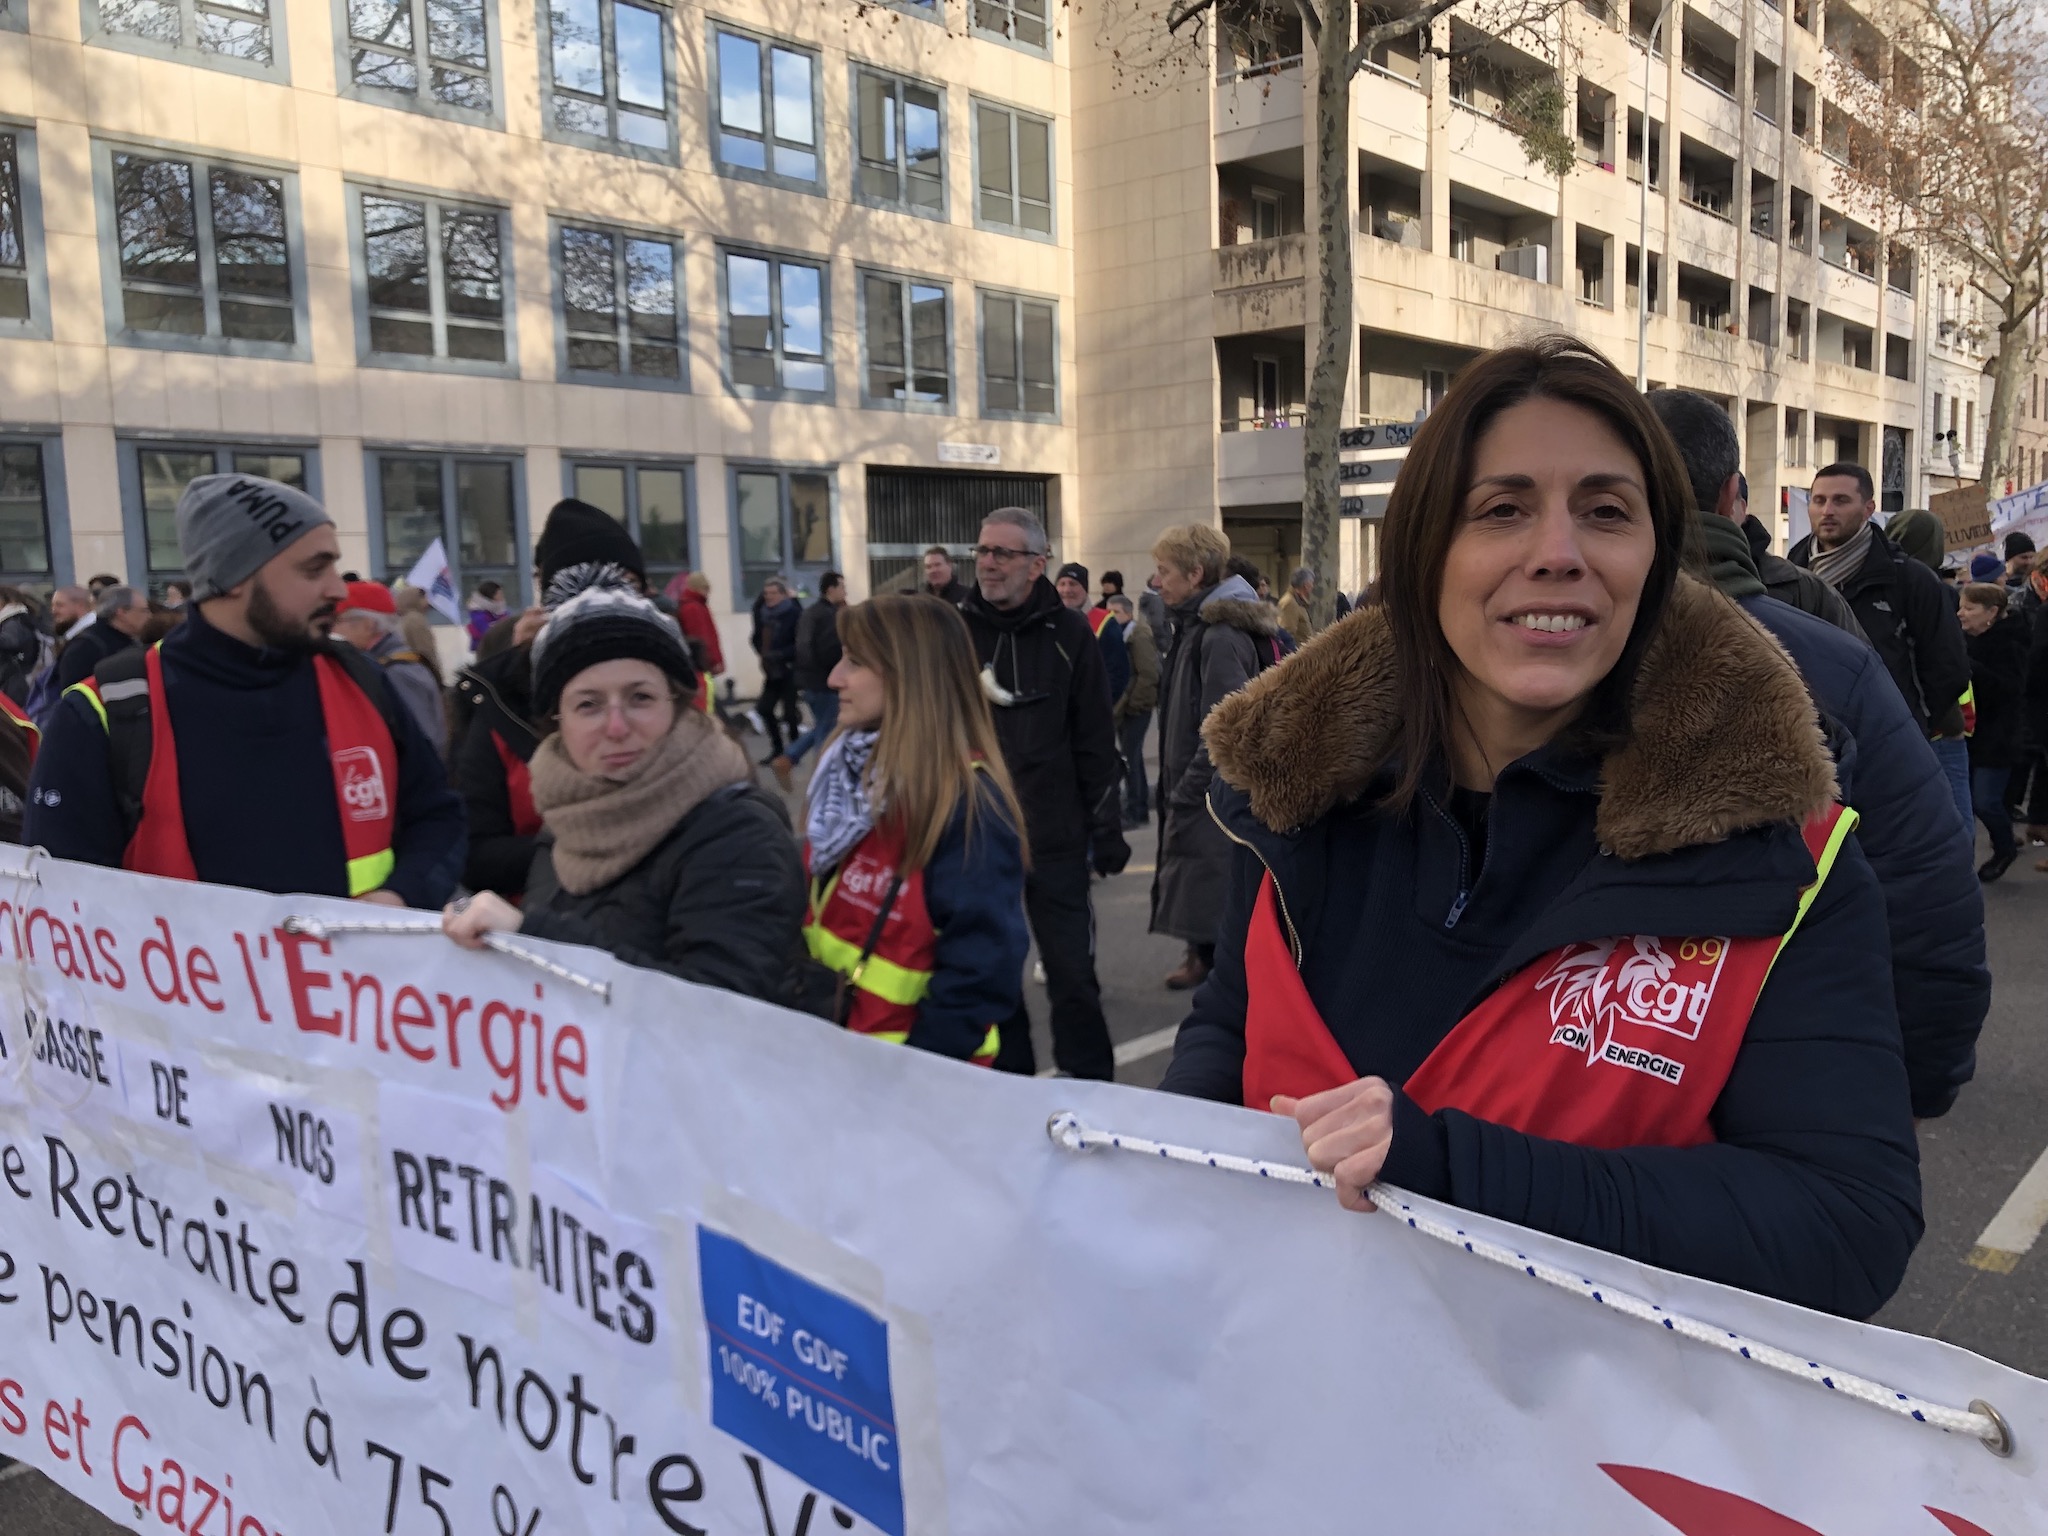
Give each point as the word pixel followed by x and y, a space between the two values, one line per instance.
pixel 312 1224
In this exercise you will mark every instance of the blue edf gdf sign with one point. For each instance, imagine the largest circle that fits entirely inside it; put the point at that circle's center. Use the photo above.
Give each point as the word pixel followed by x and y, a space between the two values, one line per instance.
pixel 802 1376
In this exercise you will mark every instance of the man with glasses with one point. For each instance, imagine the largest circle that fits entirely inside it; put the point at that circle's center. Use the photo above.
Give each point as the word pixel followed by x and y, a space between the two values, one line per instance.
pixel 1043 673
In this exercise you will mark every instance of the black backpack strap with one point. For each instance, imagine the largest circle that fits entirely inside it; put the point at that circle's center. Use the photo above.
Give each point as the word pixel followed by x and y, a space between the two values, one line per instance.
pixel 122 685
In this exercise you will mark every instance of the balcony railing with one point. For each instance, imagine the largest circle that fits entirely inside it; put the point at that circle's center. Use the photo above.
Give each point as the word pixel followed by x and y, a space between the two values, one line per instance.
pixel 1269 67
pixel 1709 204
pixel 1292 417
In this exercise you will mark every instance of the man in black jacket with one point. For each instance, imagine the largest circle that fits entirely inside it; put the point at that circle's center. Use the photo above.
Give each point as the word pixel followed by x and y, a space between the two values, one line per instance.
pixel 776 613
pixel 817 653
pixel 1886 769
pixel 1042 670
pixel 278 777
pixel 117 623
pixel 1903 609
pixel 940 580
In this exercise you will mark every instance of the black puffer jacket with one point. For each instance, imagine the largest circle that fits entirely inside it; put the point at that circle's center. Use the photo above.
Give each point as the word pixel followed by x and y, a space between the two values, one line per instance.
pixel 1058 737
pixel 1998 682
pixel 1907 617
pixel 1222 638
pixel 21 650
pixel 490 757
pixel 719 901
pixel 817 645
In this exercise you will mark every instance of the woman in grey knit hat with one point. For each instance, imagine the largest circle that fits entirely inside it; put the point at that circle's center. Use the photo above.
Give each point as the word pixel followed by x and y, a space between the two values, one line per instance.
pixel 656 845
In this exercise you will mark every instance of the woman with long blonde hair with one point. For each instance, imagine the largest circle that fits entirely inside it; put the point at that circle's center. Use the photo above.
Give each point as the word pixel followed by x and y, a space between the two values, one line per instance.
pixel 915 840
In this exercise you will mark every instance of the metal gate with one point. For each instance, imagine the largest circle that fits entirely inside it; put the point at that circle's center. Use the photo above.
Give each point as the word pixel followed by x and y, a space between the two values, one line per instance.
pixel 910 510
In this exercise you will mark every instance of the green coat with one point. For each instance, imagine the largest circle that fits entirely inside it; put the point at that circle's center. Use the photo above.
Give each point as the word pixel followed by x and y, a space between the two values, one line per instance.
pixel 1141 696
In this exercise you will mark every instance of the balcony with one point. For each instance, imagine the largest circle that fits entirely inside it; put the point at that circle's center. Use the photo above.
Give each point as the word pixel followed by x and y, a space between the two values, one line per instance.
pixel 1392 115
pixel 1258 460
pixel 1259 285
pixel 1259 111
pixel 1487 156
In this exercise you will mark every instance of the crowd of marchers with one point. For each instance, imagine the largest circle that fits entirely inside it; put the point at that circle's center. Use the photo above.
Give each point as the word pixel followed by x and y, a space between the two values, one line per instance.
pixel 1598 869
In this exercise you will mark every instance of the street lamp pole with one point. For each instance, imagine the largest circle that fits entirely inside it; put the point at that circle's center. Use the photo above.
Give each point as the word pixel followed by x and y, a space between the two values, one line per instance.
pixel 1643 212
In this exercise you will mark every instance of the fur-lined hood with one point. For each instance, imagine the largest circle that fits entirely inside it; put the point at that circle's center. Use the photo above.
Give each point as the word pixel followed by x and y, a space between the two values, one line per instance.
pixel 1233 602
pixel 1725 736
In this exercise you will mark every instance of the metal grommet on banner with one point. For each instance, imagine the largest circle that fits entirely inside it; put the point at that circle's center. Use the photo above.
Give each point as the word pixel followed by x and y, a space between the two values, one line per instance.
pixel 1999 1441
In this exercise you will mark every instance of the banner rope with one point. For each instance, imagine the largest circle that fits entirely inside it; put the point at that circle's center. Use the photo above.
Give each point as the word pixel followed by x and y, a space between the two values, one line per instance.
pixel 1980 1419
pixel 322 928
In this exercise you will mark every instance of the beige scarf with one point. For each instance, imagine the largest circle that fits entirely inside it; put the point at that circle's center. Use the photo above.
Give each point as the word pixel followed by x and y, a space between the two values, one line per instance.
pixel 603 827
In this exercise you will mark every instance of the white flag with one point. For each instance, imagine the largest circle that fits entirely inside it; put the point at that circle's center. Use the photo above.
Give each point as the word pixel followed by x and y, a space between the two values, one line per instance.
pixel 432 576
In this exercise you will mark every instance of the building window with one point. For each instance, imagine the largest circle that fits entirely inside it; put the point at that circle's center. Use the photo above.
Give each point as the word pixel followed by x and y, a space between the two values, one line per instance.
pixel 155 474
pixel 782 524
pixel 900 144
pixel 471 505
pixel 619 312
pixel 654 503
pixel 767 109
pixel 1013 170
pixel 1015 21
pixel 432 54
pixel 909 354
pixel 433 283
pixel 608 77
pixel 775 324
pixel 1019 356
pixel 24 280
pixel 204 254
pixel 233 34
pixel 25 504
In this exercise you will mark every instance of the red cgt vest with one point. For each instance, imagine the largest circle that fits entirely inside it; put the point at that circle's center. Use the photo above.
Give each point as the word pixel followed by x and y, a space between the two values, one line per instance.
pixel 365 762
pixel 890 983
pixel 1621 1042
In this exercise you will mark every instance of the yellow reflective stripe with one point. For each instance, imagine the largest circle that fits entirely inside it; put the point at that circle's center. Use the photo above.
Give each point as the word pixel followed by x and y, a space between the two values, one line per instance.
pixel 1844 825
pixel 370 872
pixel 1969 695
pixel 85 692
pixel 991 1043
pixel 891 982
pixel 892 1036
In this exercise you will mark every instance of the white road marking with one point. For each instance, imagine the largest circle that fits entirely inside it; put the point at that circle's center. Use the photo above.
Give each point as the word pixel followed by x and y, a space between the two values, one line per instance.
pixel 1136 1050
pixel 2018 1223
pixel 1146 1045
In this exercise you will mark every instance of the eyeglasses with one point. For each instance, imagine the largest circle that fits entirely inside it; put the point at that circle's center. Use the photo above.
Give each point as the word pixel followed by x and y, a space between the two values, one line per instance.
pixel 998 553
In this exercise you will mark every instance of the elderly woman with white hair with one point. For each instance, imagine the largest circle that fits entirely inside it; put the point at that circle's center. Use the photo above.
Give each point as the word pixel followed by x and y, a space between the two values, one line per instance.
pixel 369 621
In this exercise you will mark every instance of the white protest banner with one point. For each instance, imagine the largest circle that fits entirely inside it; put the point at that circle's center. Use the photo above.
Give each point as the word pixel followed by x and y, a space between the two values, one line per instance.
pixel 309 1235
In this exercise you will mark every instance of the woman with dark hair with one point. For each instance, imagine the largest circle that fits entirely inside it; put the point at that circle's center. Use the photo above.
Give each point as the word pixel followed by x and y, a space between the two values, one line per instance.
pixel 1542 904
pixel 916 844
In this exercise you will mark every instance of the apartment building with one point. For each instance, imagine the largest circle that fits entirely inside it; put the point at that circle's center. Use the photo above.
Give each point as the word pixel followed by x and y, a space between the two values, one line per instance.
pixel 784 286
pixel 1767 288
pixel 790 286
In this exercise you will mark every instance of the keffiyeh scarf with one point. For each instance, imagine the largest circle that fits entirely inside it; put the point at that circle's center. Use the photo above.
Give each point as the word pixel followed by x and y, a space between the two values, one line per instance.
pixel 840 814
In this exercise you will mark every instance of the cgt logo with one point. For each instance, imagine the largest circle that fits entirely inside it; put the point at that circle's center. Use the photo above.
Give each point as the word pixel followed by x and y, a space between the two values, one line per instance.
pixel 1694 1509
pixel 360 779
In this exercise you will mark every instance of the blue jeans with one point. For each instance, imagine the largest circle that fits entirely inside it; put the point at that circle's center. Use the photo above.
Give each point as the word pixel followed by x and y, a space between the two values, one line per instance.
pixel 823 704
pixel 1954 757
pixel 1987 787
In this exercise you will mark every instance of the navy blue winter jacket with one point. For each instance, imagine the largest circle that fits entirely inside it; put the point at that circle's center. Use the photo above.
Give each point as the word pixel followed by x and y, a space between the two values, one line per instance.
pixel 1915 842
pixel 974 890
pixel 1810 1191
pixel 254 774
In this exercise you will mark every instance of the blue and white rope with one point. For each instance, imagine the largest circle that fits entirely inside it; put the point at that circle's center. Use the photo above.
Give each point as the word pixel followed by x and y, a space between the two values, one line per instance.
pixel 1980 1419
pixel 321 928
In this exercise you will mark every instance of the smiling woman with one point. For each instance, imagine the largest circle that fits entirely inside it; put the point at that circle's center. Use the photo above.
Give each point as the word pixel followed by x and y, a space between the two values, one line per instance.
pixel 1542 903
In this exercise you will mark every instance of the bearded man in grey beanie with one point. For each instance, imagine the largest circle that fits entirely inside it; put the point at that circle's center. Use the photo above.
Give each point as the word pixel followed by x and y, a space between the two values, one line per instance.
pixel 248 748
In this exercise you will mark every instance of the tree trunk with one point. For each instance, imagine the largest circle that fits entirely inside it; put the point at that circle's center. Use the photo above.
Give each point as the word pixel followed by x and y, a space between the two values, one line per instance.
pixel 1336 237
pixel 2015 360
